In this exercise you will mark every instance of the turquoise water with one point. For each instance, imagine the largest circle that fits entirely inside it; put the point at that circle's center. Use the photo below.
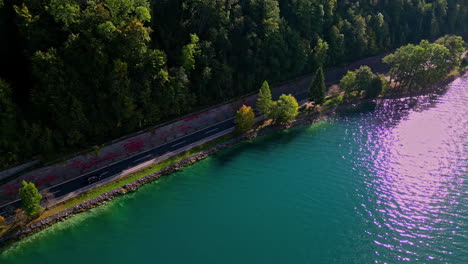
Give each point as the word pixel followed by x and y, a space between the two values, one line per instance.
pixel 380 183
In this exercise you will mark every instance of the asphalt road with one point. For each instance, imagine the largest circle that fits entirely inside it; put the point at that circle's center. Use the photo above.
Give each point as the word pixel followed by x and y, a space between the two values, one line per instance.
pixel 118 167
pixel 82 181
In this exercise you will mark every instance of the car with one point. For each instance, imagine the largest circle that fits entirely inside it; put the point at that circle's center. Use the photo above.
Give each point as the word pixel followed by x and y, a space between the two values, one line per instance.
pixel 93 178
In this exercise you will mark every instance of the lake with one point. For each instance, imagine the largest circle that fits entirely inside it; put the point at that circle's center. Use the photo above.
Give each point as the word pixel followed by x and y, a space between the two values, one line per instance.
pixel 383 182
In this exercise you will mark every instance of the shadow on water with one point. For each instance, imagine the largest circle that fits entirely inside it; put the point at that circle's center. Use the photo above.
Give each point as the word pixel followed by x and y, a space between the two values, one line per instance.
pixel 389 112
pixel 359 109
pixel 385 112
pixel 261 144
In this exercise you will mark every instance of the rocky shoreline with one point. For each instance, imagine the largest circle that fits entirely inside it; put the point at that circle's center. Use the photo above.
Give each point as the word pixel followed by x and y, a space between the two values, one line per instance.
pixel 133 186
pixel 130 187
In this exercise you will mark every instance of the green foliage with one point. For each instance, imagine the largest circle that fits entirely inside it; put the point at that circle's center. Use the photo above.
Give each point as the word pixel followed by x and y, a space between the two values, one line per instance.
pixel 64 11
pixel 245 118
pixel 348 82
pixel 30 198
pixel 375 87
pixel 189 52
pixel 97 149
pixel 455 45
pixel 284 110
pixel 143 14
pixel 84 72
pixel 320 53
pixel 335 101
pixel 264 101
pixel 317 87
pixel 363 79
pixel 415 67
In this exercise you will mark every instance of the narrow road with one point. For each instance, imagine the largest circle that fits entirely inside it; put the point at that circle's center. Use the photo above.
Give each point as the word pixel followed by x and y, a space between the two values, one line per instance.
pixel 112 170
pixel 79 182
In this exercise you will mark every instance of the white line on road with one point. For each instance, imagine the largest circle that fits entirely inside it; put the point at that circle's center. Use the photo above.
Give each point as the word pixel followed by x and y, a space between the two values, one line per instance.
pixel 178 144
pixel 211 130
pixel 142 158
pixel 104 173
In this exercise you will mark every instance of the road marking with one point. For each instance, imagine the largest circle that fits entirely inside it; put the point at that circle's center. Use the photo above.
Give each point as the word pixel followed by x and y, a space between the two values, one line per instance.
pixel 211 130
pixel 104 173
pixel 142 158
pixel 178 144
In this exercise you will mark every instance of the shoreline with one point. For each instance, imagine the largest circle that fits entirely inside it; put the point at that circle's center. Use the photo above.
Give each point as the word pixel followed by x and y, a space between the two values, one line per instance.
pixel 135 185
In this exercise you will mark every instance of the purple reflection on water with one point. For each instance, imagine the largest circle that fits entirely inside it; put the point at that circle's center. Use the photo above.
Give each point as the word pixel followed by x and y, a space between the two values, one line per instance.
pixel 419 173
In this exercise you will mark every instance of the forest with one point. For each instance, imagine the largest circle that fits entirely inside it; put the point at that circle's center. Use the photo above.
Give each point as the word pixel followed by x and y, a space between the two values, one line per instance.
pixel 76 73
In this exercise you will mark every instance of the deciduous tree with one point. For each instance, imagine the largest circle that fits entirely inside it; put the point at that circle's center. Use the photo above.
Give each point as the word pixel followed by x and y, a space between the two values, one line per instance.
pixel 30 198
pixel 284 110
pixel 245 118
pixel 455 45
pixel 416 66
pixel 362 79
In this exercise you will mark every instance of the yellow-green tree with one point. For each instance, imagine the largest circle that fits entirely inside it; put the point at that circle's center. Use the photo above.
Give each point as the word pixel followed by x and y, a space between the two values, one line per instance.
pixel 284 110
pixel 264 100
pixel 245 118
pixel 30 198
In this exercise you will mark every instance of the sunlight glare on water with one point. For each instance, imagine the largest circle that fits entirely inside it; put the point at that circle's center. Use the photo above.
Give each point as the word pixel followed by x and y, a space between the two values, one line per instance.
pixel 384 182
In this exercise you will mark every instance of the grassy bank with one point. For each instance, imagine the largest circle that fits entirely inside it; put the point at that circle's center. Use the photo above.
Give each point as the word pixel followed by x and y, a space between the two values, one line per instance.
pixel 331 104
pixel 130 178
pixel 122 181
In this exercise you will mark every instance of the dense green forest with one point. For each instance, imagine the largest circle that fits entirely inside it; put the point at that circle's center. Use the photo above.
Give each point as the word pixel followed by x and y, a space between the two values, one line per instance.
pixel 80 72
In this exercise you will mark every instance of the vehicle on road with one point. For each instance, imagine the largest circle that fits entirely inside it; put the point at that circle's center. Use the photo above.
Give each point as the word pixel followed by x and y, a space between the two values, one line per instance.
pixel 93 178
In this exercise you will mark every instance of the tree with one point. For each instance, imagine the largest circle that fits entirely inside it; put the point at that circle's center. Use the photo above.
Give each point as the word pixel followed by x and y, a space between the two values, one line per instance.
pixel 375 87
pixel 30 198
pixel 455 45
pixel 189 52
pixel 284 110
pixel 264 101
pixel 418 66
pixel 317 87
pixel 86 72
pixel 320 53
pixel 245 118
pixel 348 82
pixel 362 79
